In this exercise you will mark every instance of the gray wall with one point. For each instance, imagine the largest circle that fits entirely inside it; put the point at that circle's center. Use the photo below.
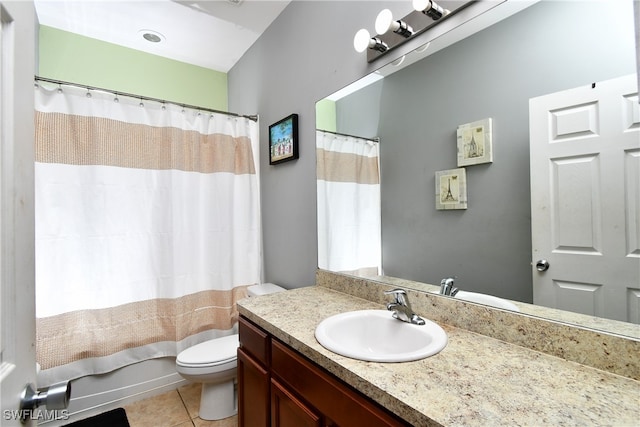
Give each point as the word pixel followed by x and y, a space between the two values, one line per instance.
pixel 305 55
pixel 296 63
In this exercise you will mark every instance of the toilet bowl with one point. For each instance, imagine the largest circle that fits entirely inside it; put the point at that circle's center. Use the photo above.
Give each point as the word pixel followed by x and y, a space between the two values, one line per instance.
pixel 214 364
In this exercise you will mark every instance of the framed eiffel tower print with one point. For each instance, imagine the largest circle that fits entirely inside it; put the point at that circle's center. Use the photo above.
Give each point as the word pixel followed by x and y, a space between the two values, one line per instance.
pixel 451 189
pixel 475 145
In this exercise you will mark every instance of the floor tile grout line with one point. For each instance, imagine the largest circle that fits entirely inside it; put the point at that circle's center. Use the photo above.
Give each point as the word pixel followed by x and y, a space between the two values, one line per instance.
pixel 184 404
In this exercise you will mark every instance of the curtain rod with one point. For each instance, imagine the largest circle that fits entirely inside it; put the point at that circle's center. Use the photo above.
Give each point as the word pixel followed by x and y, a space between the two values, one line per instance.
pixel 374 139
pixel 253 117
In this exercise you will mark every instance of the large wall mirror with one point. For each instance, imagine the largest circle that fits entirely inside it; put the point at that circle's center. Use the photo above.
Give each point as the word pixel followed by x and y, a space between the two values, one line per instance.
pixel 406 119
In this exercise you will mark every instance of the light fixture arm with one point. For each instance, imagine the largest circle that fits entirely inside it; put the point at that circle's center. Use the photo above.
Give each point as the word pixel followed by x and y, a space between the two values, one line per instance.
pixel 430 8
pixel 402 28
pixel 377 44
pixel 385 22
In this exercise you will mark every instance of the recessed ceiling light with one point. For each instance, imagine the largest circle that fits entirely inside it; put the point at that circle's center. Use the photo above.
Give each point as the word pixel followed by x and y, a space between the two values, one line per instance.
pixel 152 36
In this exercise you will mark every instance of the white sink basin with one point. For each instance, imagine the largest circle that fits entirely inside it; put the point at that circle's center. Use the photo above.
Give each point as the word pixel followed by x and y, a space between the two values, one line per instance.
pixel 487 300
pixel 375 336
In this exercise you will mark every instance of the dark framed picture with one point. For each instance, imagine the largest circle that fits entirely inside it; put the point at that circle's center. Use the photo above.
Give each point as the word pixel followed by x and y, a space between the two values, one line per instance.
pixel 283 140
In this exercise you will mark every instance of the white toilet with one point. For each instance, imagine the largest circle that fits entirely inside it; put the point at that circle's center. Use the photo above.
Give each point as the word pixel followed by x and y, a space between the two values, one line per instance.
pixel 213 363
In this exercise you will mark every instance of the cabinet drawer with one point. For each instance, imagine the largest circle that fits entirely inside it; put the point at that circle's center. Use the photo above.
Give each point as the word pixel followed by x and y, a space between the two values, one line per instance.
pixel 254 341
pixel 331 397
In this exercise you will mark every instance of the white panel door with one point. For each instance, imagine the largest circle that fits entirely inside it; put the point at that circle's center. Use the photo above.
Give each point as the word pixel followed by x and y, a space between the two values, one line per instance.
pixel 17 271
pixel 585 199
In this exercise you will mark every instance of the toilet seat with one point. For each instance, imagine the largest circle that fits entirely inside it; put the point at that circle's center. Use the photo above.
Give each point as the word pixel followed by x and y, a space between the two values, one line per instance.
pixel 218 351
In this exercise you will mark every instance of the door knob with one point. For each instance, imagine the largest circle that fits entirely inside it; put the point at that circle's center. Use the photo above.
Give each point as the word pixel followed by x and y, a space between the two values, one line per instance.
pixel 542 265
pixel 54 397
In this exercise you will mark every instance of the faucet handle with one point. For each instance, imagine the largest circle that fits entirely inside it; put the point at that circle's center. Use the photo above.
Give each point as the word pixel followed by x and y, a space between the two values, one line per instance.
pixel 401 307
pixel 447 286
pixel 448 280
pixel 398 294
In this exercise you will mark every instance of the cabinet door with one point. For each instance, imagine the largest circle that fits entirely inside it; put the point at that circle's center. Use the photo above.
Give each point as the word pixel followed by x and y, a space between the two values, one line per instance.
pixel 253 392
pixel 287 411
pixel 331 397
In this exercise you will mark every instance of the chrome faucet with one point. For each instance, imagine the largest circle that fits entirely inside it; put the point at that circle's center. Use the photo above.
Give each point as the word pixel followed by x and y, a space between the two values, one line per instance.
pixel 447 288
pixel 401 307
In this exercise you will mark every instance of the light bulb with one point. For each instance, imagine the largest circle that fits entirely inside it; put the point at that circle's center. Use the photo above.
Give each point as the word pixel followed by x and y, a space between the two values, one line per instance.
pixel 429 8
pixel 384 21
pixel 420 5
pixel 361 40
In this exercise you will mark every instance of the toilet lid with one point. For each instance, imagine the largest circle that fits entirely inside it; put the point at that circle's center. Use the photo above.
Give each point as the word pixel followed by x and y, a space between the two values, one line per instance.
pixel 212 352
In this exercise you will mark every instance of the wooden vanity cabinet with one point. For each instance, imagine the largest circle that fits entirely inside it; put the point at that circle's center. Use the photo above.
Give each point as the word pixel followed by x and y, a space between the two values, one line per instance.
pixel 279 387
pixel 254 378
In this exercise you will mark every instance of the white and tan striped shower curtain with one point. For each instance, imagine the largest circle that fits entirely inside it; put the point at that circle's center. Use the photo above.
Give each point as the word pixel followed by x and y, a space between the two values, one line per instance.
pixel 348 182
pixel 147 228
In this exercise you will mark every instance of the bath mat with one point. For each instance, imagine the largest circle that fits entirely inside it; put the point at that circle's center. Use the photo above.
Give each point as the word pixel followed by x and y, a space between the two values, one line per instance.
pixel 113 418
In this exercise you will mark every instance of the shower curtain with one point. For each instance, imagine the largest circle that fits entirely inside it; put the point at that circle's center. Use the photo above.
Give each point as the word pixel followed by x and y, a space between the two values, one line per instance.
pixel 348 204
pixel 147 228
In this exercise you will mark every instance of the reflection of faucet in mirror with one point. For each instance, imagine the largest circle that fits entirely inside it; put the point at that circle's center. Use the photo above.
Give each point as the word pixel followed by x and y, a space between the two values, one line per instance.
pixel 447 288
pixel 401 307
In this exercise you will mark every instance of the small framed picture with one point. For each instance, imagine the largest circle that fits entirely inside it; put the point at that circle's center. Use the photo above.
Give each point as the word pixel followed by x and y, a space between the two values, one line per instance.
pixel 451 189
pixel 283 140
pixel 475 144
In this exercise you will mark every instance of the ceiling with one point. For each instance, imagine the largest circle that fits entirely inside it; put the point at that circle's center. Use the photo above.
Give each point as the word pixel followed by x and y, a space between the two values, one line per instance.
pixel 210 33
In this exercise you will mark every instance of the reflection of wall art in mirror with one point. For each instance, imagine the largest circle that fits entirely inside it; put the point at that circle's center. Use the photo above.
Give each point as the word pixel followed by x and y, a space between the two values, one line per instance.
pixel 475 143
pixel 451 189
pixel 283 140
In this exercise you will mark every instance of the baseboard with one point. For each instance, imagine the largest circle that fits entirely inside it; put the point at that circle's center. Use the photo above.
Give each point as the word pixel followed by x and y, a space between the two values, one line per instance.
pixel 95 394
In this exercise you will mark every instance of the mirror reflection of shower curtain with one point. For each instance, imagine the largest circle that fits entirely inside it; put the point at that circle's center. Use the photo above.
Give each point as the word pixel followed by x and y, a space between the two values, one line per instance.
pixel 348 181
pixel 147 228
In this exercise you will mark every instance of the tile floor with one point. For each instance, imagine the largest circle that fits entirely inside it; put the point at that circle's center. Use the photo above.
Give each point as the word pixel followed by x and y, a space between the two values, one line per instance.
pixel 177 408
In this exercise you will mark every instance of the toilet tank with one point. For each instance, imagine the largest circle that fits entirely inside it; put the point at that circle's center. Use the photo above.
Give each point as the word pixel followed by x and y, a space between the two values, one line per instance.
pixel 264 289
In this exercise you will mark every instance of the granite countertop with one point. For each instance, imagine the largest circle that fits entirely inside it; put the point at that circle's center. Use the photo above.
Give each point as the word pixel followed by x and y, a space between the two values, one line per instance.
pixel 475 381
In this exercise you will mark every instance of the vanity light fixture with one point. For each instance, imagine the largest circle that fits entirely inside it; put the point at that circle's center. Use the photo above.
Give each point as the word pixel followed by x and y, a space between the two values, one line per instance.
pixel 393 32
pixel 363 40
pixel 385 22
pixel 430 8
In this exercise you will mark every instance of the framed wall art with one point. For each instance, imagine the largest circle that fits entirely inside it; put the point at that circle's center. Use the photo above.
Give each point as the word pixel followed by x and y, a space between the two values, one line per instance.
pixel 475 145
pixel 451 189
pixel 283 140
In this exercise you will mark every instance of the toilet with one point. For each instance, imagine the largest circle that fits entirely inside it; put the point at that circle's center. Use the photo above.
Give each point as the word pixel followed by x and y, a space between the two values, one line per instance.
pixel 213 363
